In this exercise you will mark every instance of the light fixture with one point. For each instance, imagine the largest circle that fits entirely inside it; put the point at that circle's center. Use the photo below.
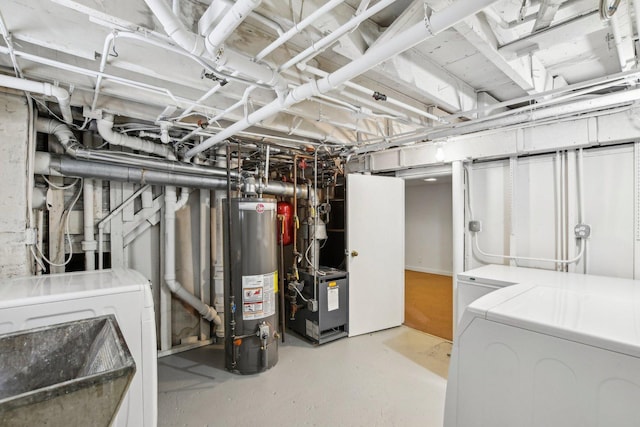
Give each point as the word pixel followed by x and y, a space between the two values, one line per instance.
pixel 430 179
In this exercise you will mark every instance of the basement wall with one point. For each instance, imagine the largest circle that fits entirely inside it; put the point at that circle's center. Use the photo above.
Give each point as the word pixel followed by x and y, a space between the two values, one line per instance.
pixel 529 207
pixel 14 258
pixel 428 240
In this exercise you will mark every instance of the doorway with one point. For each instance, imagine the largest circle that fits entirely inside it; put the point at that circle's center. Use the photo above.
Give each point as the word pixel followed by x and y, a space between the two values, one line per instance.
pixel 428 255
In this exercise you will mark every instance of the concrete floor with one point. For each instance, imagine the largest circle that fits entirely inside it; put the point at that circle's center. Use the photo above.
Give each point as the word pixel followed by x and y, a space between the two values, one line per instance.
pixel 395 377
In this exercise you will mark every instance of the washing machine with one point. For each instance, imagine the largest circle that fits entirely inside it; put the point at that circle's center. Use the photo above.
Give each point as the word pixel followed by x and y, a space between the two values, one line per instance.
pixel 555 354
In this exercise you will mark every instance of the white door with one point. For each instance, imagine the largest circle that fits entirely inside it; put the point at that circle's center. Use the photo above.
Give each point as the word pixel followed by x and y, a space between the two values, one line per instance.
pixel 375 245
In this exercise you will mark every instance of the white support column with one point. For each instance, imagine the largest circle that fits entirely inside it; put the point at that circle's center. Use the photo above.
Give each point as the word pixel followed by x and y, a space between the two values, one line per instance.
pixel 205 256
pixel 458 225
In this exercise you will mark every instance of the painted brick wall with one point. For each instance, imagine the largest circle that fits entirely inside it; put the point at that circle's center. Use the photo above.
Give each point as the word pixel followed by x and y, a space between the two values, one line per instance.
pixel 13 201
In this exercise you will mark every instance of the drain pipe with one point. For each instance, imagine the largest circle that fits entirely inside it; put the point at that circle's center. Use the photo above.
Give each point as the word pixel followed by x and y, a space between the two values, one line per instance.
pixel 417 33
pixel 89 244
pixel 105 129
pixel 63 97
pixel 205 311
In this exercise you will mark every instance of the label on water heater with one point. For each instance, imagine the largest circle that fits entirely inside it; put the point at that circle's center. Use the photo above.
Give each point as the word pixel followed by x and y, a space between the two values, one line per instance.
pixel 258 296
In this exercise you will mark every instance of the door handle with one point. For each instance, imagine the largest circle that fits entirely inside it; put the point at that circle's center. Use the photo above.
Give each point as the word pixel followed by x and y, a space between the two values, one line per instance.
pixel 354 253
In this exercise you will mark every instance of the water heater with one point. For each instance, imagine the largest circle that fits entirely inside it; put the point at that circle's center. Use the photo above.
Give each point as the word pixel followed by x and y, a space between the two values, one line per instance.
pixel 251 317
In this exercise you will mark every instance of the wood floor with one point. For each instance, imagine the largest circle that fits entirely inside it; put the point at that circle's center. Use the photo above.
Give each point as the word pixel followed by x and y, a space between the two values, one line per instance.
pixel 428 303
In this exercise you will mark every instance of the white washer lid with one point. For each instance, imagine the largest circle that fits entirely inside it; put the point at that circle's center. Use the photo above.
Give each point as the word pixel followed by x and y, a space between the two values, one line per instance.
pixel 54 287
pixel 599 315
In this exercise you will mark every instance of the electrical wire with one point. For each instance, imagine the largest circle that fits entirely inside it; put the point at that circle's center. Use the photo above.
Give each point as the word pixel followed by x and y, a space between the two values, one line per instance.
pixel 66 214
pixel 60 187
pixel 300 293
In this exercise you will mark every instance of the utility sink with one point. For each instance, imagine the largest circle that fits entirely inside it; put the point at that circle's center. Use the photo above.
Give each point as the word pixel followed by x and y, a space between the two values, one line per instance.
pixel 69 374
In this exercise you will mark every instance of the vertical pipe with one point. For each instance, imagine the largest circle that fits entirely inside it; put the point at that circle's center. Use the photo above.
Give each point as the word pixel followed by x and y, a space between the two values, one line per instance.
pixel 89 243
pixel 295 216
pixel 205 248
pixel 457 207
pixel 165 292
pixel 513 168
pixel 558 185
pixel 581 207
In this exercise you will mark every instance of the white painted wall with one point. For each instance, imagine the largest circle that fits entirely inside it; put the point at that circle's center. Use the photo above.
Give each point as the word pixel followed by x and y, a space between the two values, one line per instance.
pixel 14 259
pixel 428 232
pixel 519 206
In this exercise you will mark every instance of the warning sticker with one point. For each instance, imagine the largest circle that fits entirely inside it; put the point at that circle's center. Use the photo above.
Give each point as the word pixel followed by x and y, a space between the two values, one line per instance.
pixel 333 298
pixel 258 296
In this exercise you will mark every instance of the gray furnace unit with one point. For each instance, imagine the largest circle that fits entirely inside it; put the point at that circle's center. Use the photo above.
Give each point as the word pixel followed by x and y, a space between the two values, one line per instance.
pixel 328 319
pixel 251 315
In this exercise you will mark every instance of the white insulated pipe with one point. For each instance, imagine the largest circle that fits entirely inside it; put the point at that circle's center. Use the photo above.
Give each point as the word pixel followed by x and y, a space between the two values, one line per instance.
pixel 205 310
pixel 375 55
pixel 199 46
pixel 47 89
pixel 232 19
pixel 105 129
pixel 602 101
pixel 184 198
pixel 89 244
pixel 370 92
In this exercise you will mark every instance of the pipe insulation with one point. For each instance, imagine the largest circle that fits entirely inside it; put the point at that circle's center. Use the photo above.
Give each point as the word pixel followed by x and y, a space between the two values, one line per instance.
pixel 56 165
pixel 63 97
pixel 205 310
pixel 419 32
pixel 72 147
pixel 105 129
pixel 221 55
pixel 232 19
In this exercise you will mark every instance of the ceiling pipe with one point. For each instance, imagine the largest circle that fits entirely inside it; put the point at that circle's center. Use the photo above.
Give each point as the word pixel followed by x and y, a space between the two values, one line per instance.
pixel 230 21
pixel 301 133
pixel 63 97
pixel 222 56
pixel 419 32
pixel 591 104
pixel 57 165
pixel 73 148
pixel 371 93
pixel 323 43
pixel 105 129
pixel 297 28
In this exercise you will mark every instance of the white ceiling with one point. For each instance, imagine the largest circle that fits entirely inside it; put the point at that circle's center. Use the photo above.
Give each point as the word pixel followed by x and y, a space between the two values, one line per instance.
pixel 490 57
